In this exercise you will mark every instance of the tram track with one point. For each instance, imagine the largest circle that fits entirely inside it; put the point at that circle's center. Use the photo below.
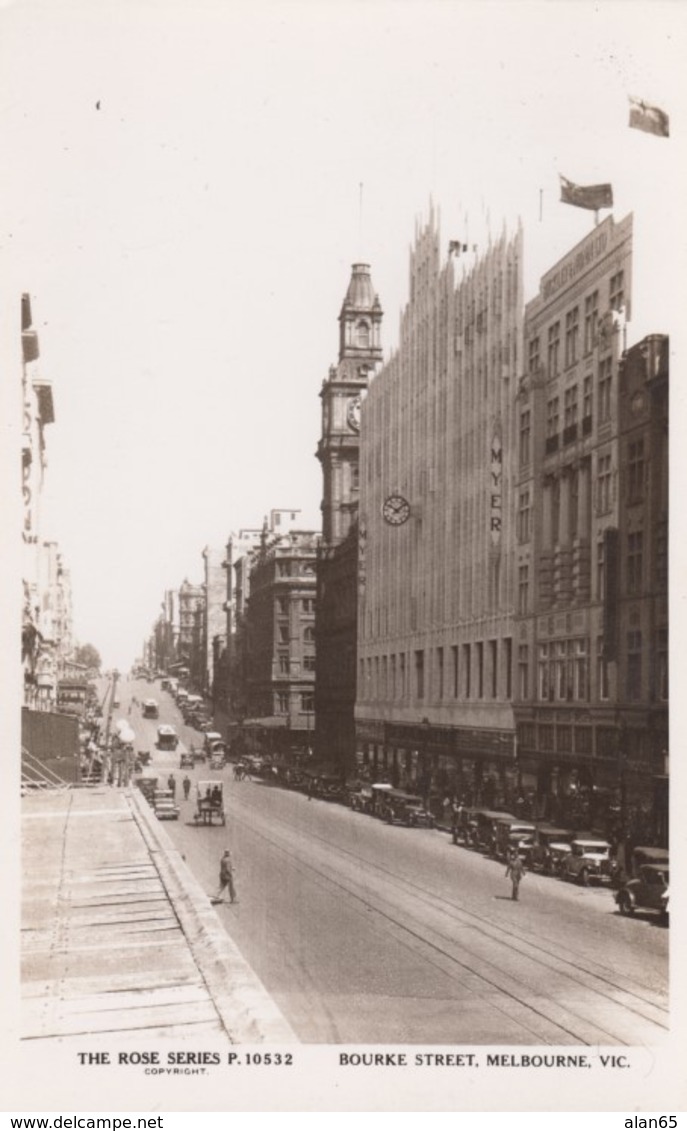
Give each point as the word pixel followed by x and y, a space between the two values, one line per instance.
pixel 615 1007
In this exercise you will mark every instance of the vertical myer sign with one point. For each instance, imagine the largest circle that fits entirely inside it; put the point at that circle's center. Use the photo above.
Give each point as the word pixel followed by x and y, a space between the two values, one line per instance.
pixel 495 487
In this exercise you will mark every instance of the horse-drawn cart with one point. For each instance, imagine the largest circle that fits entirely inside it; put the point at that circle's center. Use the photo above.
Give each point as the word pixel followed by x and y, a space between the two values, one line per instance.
pixel 210 803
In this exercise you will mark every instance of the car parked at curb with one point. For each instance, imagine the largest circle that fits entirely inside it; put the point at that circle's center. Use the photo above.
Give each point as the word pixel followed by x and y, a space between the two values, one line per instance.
pixel 647 892
pixel 549 847
pixel 588 860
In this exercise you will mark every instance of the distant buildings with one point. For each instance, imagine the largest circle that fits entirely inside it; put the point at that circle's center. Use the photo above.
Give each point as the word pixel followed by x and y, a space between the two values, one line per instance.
pixel 279 642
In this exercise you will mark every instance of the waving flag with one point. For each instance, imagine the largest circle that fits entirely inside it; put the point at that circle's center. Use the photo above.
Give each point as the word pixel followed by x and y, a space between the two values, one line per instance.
pixel 586 196
pixel 648 118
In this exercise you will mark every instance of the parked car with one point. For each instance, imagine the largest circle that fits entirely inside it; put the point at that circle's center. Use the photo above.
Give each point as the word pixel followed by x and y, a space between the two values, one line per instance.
pixel 362 799
pixel 510 835
pixel 588 860
pixel 405 808
pixel 483 828
pixel 186 760
pixel 647 892
pixel 550 845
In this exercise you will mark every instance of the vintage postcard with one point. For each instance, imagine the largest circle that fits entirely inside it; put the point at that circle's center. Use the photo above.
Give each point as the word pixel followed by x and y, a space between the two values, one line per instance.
pixel 341 481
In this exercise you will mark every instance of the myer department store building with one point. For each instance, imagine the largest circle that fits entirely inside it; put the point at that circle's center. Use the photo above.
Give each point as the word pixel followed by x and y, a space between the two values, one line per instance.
pixel 435 628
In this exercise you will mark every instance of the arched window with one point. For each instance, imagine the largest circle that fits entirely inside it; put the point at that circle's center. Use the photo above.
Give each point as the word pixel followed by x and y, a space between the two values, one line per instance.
pixel 362 335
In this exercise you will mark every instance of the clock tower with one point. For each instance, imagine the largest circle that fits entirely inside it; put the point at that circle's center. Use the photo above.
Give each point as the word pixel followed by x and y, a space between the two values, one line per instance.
pixel 342 393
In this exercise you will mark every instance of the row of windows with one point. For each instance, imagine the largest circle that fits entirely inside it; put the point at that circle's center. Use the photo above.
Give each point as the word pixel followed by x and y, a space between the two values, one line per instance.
pixel 563 671
pixel 285 663
pixel 466 671
pixel 306 605
pixel 285 636
pixel 616 299
pixel 304 702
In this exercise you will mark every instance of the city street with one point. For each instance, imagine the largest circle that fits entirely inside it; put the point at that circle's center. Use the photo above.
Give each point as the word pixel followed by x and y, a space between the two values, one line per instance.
pixel 368 933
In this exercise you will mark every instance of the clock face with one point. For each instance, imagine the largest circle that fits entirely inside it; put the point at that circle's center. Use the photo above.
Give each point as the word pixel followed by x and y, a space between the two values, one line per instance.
pixel 396 510
pixel 353 414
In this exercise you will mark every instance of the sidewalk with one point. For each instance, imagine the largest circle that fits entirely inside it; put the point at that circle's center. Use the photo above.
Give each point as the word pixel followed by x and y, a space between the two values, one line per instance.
pixel 119 938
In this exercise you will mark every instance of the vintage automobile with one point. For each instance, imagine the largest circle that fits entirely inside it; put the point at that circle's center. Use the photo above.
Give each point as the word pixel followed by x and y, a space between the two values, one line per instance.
pixel 482 832
pixel 218 755
pixel 550 845
pixel 647 892
pixel 329 787
pixel 167 737
pixel 164 806
pixel 210 803
pixel 186 759
pixel 150 709
pixel 211 737
pixel 362 799
pixel 406 809
pixel 512 835
pixel 588 860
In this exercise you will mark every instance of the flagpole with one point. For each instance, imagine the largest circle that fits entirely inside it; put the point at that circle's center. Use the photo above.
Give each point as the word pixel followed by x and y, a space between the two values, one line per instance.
pixel 360 220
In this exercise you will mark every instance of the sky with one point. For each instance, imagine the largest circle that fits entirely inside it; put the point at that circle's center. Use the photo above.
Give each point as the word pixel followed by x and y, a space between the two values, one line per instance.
pixel 182 199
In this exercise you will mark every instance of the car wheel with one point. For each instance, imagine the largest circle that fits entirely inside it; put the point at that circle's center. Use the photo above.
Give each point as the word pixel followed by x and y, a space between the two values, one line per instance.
pixel 584 878
pixel 625 904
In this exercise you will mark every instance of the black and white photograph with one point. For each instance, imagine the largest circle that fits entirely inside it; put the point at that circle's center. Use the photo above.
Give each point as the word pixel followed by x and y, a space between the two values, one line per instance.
pixel 337 456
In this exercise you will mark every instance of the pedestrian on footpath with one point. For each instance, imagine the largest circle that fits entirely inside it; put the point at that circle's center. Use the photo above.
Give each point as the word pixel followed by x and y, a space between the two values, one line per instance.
pixel 187 787
pixel 516 870
pixel 226 878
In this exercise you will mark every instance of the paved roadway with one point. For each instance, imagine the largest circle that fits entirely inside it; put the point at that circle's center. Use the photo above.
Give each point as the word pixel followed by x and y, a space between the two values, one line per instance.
pixel 375 934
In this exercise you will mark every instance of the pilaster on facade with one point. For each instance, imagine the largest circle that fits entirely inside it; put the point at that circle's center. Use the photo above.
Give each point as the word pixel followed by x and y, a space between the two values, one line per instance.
pixel 573 479
pixel 436 580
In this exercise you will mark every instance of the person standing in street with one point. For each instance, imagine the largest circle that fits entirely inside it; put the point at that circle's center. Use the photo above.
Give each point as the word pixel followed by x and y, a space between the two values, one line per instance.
pixel 516 870
pixel 226 878
pixel 187 787
pixel 171 784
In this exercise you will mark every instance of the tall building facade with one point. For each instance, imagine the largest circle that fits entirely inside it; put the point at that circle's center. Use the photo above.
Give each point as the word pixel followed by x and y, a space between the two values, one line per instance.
pixel 436 582
pixel 39 660
pixel 279 637
pixel 338 451
pixel 214 619
pixel 640 644
pixel 191 621
pixel 238 562
pixel 583 531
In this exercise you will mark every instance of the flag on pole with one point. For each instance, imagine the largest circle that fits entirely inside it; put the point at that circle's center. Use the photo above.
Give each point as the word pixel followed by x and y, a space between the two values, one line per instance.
pixel 455 247
pixel 586 196
pixel 648 118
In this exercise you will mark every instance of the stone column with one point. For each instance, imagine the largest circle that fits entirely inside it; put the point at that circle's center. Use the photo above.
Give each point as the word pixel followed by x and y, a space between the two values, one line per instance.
pixel 563 537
